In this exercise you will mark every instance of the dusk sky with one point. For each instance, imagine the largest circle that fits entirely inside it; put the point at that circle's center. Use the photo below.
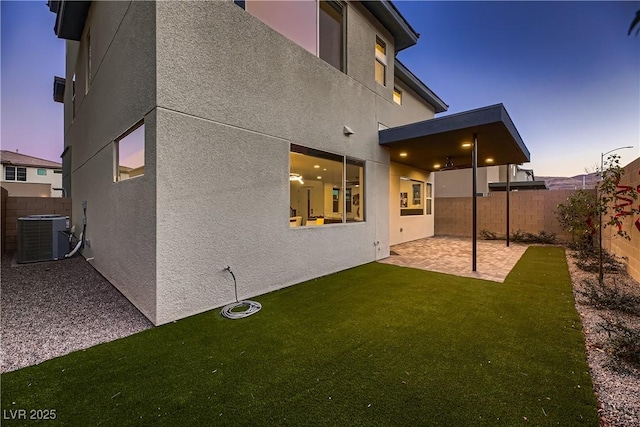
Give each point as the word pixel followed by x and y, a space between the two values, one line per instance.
pixel 567 73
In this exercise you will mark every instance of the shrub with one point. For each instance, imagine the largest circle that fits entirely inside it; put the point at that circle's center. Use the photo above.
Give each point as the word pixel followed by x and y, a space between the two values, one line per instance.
pixel 623 344
pixel 524 237
pixel 588 260
pixel 489 235
pixel 609 297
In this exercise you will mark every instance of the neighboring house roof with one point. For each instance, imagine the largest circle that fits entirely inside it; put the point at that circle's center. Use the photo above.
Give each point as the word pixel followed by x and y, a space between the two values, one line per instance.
pixel 408 78
pixel 17 159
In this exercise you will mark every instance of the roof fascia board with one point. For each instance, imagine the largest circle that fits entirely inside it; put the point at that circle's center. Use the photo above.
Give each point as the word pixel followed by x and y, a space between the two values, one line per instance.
pixel 385 12
pixel 465 119
pixel 408 78
pixel 70 18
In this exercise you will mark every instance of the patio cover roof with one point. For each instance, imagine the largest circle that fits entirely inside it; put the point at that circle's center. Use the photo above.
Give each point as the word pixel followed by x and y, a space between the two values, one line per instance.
pixel 429 143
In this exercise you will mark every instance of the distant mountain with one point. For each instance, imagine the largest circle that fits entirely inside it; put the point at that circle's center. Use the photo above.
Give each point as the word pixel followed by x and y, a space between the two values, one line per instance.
pixel 585 181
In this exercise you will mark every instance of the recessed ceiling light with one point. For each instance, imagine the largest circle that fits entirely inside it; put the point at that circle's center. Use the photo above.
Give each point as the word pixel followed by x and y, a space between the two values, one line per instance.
pixel 316 166
pixel 489 160
pixel 403 154
pixel 436 166
pixel 319 177
pixel 466 145
pixel 325 169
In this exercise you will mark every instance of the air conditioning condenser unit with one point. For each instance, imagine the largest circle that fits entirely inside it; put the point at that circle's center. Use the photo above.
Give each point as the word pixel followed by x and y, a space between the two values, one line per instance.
pixel 42 238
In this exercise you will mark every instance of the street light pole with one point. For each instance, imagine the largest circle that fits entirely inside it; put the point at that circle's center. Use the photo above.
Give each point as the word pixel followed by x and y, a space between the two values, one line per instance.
pixel 600 272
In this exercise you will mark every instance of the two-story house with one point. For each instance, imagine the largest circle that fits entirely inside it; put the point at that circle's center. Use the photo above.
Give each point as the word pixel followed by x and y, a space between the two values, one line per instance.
pixel 276 138
pixel 454 182
pixel 28 176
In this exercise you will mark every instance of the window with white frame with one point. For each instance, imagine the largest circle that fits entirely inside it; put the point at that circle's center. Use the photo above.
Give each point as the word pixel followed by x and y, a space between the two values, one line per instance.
pixel 381 62
pixel 42 172
pixel 429 198
pixel 411 197
pixel 15 173
pixel 397 96
pixel 325 188
pixel 129 153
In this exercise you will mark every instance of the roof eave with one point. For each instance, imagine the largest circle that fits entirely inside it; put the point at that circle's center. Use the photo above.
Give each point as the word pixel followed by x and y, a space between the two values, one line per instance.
pixel 408 78
pixel 385 12
pixel 70 18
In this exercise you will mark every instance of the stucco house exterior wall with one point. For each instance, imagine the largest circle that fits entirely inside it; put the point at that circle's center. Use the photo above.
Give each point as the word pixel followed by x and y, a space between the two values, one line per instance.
pixel 223 97
pixel 121 216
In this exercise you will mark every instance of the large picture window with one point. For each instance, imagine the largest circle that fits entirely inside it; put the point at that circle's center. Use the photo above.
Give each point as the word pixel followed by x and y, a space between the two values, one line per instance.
pixel 325 188
pixel 129 154
pixel 411 197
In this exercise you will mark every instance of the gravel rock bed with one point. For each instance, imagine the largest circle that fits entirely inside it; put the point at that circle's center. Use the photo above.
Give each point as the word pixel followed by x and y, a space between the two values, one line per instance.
pixel 50 309
pixel 618 392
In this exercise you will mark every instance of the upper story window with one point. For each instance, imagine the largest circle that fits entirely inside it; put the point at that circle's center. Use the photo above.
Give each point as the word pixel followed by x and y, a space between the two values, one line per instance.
pixel 381 62
pixel 397 96
pixel 42 172
pixel 13 173
pixel 73 95
pixel 331 34
pixel 88 76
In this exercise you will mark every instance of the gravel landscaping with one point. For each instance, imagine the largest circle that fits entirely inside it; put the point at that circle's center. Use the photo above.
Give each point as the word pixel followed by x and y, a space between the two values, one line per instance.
pixel 617 390
pixel 54 308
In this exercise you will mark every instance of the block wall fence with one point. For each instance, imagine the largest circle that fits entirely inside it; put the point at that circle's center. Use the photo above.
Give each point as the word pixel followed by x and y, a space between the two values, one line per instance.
pixel 531 211
pixel 17 207
pixel 628 249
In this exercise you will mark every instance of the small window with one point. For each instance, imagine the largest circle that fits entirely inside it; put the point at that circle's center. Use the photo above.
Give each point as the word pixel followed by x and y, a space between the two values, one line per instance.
pixel 21 174
pixel 73 95
pixel 10 173
pixel 88 64
pixel 381 62
pixel 429 198
pixel 42 172
pixel 13 173
pixel 397 96
pixel 129 154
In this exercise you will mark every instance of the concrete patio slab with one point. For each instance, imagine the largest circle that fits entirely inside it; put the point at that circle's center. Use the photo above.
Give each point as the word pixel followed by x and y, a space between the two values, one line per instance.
pixel 452 255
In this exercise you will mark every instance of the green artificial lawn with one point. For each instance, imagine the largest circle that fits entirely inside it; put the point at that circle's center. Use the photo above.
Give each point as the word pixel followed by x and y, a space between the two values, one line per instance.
pixel 373 345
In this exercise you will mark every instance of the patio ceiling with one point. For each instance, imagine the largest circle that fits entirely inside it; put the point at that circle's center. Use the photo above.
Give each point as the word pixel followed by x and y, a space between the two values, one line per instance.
pixel 428 144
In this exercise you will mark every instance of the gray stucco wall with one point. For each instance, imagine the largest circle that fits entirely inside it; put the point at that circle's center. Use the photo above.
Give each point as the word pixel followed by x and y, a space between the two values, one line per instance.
pixel 225 122
pixel 121 216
